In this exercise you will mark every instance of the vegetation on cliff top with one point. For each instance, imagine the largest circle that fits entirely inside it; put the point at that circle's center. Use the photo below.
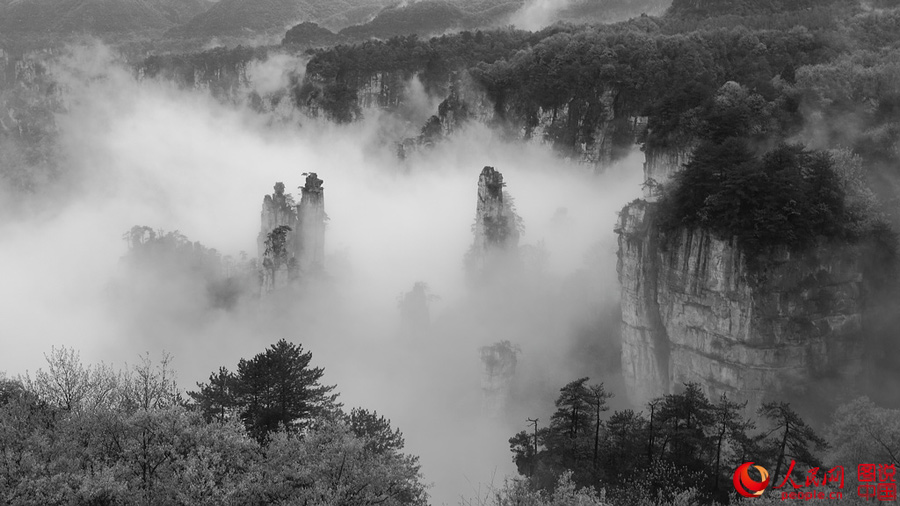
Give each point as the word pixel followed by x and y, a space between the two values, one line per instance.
pixel 737 185
pixel 786 197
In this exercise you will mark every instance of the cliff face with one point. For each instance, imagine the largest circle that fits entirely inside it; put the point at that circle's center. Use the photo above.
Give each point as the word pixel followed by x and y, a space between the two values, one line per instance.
pixel 494 220
pixel 291 241
pixel 498 363
pixel 378 90
pixel 311 214
pixel 578 132
pixel 30 101
pixel 277 260
pixel 382 90
pixel 221 73
pixel 496 245
pixel 660 164
pixel 692 310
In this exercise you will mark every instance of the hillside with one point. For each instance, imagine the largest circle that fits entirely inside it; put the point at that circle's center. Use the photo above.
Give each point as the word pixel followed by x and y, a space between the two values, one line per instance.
pixel 607 11
pixel 241 17
pixel 424 18
pixel 710 8
pixel 95 16
pixel 435 17
pixel 421 18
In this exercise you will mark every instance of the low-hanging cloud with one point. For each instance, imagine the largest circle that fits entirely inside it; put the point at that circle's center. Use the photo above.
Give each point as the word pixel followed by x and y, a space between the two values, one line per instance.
pixel 148 153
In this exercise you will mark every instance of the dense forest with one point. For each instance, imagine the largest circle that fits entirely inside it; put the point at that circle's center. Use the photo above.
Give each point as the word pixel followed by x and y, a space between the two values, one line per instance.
pixel 683 448
pixel 270 433
pixel 735 87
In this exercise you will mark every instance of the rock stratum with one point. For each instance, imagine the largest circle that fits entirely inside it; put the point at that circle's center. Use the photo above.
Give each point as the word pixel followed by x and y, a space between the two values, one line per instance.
pixel 694 311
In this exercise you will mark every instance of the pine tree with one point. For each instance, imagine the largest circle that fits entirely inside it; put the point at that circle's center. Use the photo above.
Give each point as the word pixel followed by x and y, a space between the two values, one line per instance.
pixel 796 440
pixel 275 389
pixel 280 389
pixel 730 428
pixel 218 397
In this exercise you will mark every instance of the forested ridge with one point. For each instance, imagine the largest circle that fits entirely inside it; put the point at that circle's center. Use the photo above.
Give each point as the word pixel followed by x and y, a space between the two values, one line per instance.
pixel 823 75
pixel 667 70
pixel 757 77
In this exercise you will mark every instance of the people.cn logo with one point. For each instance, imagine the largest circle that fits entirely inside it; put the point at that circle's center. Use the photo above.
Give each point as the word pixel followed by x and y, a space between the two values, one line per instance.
pixel 747 486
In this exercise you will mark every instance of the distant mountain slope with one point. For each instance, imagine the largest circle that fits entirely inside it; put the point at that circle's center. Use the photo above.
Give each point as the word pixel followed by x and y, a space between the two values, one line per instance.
pixel 709 8
pixel 309 33
pixel 434 17
pixel 95 16
pixel 607 11
pixel 236 17
pixel 425 17
pixel 240 17
pixel 181 11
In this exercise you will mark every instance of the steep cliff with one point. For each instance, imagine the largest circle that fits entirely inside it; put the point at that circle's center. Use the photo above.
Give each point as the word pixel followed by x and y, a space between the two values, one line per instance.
pixel 660 164
pixel 415 315
pixel 291 241
pixel 278 250
pixel 693 310
pixel 30 102
pixel 495 248
pixel 496 226
pixel 498 372
pixel 590 135
pixel 311 213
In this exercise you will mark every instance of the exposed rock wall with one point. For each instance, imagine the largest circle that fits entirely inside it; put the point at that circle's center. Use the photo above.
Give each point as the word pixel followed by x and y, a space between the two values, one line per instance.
pixel 494 222
pixel 277 210
pixel 660 164
pixel 495 250
pixel 381 90
pixel 415 315
pixel 645 346
pixel 311 214
pixel 574 130
pixel 302 250
pixel 498 372
pixel 692 310
pixel 584 134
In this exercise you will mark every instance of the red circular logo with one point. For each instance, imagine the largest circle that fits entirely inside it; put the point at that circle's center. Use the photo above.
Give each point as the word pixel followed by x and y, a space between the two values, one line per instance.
pixel 747 486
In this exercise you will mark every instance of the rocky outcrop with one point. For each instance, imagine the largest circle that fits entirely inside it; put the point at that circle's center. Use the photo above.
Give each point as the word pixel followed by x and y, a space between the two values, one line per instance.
pixel 577 131
pixel 291 241
pixel 381 90
pixel 498 371
pixel 415 315
pixel 660 164
pixel 496 225
pixel 311 213
pixel 692 310
pixel 277 254
pixel 495 247
pixel 574 130
pixel 645 346
pixel 494 219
